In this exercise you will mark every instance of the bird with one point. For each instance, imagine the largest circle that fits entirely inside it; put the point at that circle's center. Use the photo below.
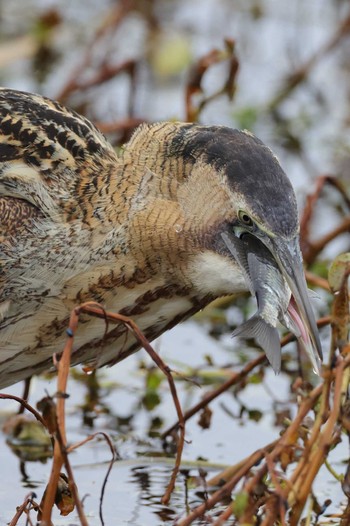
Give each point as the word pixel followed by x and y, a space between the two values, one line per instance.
pixel 143 230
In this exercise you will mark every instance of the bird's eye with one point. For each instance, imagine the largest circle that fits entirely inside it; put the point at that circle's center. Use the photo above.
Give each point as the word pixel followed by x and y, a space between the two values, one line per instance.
pixel 245 219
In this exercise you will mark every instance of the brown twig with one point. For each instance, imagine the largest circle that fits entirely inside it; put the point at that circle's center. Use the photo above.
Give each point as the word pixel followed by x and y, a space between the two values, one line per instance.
pixel 228 473
pixel 212 395
pixel 302 487
pixel 300 74
pixel 110 466
pixel 224 516
pixel 298 488
pixel 104 74
pixel 23 508
pixel 316 247
pixel 25 394
pixel 316 280
pixel 287 438
pixel 60 456
pixel 277 496
pixel 311 250
pixel 24 404
pixel 116 16
pixel 94 309
pixel 194 84
pixel 123 126
pixel 223 492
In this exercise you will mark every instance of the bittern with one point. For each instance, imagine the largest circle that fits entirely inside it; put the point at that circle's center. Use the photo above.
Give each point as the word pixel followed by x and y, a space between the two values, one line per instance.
pixel 155 233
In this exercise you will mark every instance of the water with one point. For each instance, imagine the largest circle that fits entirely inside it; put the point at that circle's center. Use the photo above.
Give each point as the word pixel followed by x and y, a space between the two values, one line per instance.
pixel 137 482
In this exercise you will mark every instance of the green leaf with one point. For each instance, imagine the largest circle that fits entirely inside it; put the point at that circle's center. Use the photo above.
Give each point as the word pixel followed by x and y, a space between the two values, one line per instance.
pixel 255 415
pixel 151 400
pixel 154 379
pixel 339 271
pixel 240 504
pixel 246 117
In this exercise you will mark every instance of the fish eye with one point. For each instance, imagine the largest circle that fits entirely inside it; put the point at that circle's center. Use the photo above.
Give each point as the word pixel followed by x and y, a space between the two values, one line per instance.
pixel 245 218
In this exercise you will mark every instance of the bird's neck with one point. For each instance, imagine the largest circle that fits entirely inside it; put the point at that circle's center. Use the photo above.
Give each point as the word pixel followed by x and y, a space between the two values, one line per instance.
pixel 160 208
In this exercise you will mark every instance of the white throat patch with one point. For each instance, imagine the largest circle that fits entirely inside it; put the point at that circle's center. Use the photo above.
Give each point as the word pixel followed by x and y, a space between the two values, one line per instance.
pixel 214 274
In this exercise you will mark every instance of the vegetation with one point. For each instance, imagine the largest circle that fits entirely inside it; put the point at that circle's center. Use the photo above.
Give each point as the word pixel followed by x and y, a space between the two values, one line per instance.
pixel 274 484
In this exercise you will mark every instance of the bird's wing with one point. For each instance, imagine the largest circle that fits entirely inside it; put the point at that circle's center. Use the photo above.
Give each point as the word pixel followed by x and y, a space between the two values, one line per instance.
pixel 49 155
pixel 52 164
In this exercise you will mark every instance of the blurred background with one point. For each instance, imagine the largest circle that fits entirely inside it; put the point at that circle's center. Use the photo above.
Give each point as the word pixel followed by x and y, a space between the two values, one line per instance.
pixel 133 59
pixel 279 69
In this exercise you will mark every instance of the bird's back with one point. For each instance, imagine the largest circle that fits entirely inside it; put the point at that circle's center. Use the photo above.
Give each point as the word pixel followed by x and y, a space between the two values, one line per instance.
pixel 73 225
pixel 55 168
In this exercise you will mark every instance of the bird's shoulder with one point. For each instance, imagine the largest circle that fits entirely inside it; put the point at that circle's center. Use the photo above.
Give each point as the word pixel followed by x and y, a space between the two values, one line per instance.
pixel 49 155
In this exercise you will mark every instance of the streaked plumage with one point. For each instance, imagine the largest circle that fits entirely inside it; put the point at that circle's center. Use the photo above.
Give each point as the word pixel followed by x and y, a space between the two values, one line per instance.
pixel 138 232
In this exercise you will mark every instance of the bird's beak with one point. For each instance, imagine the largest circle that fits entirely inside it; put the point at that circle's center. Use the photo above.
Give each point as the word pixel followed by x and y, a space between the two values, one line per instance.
pixel 266 263
pixel 302 321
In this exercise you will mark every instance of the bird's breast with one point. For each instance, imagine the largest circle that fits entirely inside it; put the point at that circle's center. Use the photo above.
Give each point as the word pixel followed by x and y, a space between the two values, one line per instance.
pixel 154 304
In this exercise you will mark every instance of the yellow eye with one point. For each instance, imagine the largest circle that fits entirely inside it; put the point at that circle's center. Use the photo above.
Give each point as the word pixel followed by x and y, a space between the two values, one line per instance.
pixel 245 218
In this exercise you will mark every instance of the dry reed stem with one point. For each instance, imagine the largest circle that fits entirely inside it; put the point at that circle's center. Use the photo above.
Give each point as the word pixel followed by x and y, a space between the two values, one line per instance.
pixel 116 16
pixel 316 280
pixel 95 309
pixel 60 454
pixel 298 487
pixel 228 473
pixel 287 438
pixel 24 403
pixel 300 74
pixel 302 486
pixel 312 249
pixel 24 508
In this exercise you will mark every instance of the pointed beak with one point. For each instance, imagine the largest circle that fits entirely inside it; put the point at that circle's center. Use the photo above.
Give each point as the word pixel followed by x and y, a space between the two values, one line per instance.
pixel 301 318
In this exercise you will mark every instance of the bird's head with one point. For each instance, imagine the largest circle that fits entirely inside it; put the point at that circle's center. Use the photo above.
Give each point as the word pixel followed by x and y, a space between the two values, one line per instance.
pixel 226 184
pixel 236 186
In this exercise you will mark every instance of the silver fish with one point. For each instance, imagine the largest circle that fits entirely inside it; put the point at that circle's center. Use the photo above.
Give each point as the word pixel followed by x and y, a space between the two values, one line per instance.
pixel 272 292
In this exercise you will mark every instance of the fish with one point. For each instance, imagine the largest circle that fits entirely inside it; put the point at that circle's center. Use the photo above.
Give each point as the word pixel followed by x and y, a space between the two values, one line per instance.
pixel 274 299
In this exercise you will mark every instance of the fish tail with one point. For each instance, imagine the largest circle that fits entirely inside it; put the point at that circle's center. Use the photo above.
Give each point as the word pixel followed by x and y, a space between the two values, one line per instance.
pixel 265 335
